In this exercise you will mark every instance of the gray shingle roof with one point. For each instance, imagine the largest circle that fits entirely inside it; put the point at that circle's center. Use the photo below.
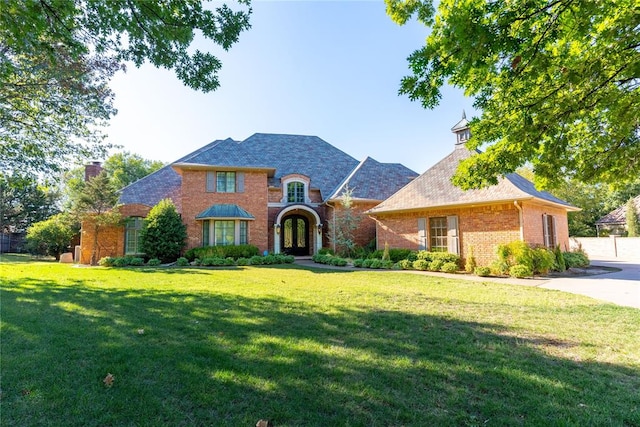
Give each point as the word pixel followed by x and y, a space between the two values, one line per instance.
pixel 224 211
pixel 373 180
pixel 434 189
pixel 618 216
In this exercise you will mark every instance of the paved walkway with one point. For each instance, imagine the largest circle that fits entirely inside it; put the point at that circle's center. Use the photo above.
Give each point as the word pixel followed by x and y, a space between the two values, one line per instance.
pixel 620 287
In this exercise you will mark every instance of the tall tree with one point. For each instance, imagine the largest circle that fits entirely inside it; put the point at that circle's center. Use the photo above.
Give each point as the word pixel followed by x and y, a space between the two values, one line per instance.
pixel 57 57
pixel 345 223
pixel 125 168
pixel 52 236
pixel 557 83
pixel 633 228
pixel 23 202
pixel 97 208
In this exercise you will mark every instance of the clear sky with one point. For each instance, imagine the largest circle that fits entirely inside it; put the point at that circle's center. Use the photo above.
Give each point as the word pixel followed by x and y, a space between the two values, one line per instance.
pixel 330 69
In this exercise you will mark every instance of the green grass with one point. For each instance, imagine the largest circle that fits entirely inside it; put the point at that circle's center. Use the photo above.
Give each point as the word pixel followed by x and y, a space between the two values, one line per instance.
pixel 303 347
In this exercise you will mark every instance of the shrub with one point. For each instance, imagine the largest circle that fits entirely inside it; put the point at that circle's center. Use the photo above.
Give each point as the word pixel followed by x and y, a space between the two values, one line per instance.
pixel 436 265
pixel 516 252
pixel 421 264
pixel 367 263
pixel 449 267
pixel 387 265
pixel 385 253
pixel 153 262
pixel 120 262
pixel 375 263
pixel 51 236
pixel 233 251
pixel 181 262
pixel 337 261
pixel 325 251
pixel 358 262
pixel 163 235
pixel 425 255
pixel 543 260
pixel 405 264
pixel 242 261
pixel 135 261
pixel 520 271
pixel 560 264
pixel 575 259
pixel 499 268
pixel 106 261
pixel 482 271
pixel 470 262
pixel 255 260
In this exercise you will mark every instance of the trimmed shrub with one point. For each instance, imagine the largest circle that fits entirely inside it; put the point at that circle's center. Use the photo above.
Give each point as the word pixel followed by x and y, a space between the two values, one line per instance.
pixel 255 260
pixel 405 264
pixel 436 265
pixel 387 265
pixel 575 259
pixel 164 234
pixel 106 261
pixel 395 255
pixel 120 262
pixel 242 261
pixel 181 262
pixel 212 261
pixel 470 263
pixel 375 263
pixel 520 271
pixel 449 267
pixel 560 264
pixel 516 252
pixel 230 251
pixel 358 262
pixel 482 271
pixel 326 251
pixel 367 263
pixel 135 261
pixel 338 262
pixel 421 264
pixel 153 262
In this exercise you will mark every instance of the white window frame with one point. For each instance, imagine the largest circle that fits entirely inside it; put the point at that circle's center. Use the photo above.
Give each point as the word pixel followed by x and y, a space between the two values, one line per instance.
pixel 136 229
pixel 237 231
pixel 285 188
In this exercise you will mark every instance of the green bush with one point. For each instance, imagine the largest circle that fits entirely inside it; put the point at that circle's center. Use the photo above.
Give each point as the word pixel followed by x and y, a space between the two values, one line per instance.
pixel 421 264
pixel 395 254
pixel 543 260
pixel 520 271
pixel 164 234
pixel 358 262
pixel 575 259
pixel 375 263
pixel 256 260
pixel 470 263
pixel 436 265
pixel 387 264
pixel 242 261
pixel 106 261
pixel 499 268
pixel 560 264
pixel 153 262
pixel 135 261
pixel 181 262
pixel 405 264
pixel 51 236
pixel 367 263
pixel 482 271
pixel 326 251
pixel 516 252
pixel 425 256
pixel 449 267
pixel 229 251
pixel 339 262
pixel 120 262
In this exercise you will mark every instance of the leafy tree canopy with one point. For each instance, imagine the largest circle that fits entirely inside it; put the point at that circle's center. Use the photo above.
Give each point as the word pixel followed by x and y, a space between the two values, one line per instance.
pixel 52 236
pixel 57 57
pixel 23 201
pixel 557 81
pixel 126 168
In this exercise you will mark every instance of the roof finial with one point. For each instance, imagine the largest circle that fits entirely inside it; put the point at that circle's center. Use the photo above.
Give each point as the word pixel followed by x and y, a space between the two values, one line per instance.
pixel 464 115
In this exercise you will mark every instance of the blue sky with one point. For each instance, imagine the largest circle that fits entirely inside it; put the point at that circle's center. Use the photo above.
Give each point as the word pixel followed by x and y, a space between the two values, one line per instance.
pixel 330 69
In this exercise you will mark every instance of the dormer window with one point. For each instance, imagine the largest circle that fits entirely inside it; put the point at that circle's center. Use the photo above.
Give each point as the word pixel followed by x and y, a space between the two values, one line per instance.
pixel 295 192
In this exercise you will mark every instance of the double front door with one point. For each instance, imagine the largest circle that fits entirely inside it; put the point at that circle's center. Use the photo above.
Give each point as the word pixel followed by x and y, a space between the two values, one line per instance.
pixel 295 235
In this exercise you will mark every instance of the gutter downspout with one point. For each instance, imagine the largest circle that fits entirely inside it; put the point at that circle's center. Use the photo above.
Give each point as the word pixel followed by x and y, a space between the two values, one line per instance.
pixel 515 203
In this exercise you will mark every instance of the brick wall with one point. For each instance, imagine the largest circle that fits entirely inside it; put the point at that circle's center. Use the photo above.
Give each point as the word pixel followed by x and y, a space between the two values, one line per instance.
pixel 110 242
pixel 532 224
pixel 483 227
pixel 196 199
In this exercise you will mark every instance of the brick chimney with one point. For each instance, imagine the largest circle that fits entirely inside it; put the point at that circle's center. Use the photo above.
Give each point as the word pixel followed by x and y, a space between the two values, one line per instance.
pixel 92 170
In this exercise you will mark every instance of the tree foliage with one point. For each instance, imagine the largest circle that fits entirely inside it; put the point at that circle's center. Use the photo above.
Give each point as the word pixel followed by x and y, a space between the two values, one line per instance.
pixel 557 83
pixel 56 59
pixel 23 202
pixel 345 223
pixel 125 168
pixel 97 207
pixel 51 236
pixel 163 235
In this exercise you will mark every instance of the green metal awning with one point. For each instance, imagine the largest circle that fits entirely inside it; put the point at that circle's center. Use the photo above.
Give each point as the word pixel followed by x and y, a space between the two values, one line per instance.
pixel 225 211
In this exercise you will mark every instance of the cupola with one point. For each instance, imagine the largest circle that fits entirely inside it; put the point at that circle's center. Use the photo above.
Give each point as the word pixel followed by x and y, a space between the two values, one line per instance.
pixel 462 131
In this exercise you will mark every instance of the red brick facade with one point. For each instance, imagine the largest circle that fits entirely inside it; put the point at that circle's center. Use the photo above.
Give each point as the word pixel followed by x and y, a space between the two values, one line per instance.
pixel 480 227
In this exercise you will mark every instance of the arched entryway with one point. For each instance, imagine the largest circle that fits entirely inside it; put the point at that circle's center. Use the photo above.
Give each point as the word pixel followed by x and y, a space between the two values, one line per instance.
pixel 294 235
pixel 297 231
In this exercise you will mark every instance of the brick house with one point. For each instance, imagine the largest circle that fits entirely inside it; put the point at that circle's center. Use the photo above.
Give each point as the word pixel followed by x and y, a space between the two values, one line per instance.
pixel 277 192
pixel 431 213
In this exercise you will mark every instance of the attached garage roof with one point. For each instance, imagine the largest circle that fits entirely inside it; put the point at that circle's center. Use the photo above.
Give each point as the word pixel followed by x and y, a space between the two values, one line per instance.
pixel 225 211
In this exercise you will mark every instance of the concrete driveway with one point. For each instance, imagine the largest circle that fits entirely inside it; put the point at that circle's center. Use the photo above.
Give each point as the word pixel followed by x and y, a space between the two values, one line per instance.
pixel 622 287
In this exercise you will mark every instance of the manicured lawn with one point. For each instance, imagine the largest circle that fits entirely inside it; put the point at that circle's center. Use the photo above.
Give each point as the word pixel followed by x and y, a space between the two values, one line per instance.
pixel 226 347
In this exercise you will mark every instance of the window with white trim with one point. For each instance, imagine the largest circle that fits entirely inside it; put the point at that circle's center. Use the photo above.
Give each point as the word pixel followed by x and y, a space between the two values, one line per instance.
pixel 438 234
pixel 133 227
pixel 225 232
pixel 295 192
pixel 225 182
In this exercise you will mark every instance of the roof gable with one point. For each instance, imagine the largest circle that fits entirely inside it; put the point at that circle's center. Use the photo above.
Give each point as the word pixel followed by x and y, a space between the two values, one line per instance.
pixel 619 215
pixel 434 189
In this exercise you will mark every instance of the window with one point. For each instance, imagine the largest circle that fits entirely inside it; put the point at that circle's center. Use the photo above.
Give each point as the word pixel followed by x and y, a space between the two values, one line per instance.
pixel 225 232
pixel 438 234
pixel 295 192
pixel 133 227
pixel 549 231
pixel 205 232
pixel 225 182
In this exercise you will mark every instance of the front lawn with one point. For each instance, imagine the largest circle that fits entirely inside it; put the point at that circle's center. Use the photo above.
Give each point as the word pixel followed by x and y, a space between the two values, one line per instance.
pixel 300 347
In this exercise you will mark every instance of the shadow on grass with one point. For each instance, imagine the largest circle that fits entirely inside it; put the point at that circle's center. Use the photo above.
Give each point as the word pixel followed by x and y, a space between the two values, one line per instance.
pixel 220 359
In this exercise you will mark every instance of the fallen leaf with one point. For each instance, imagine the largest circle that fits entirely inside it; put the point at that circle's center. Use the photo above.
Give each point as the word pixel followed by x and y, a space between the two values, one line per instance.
pixel 108 380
